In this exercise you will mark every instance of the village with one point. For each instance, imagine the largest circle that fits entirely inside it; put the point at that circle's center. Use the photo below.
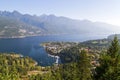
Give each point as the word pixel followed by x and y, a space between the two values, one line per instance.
pixel 54 48
pixel 57 47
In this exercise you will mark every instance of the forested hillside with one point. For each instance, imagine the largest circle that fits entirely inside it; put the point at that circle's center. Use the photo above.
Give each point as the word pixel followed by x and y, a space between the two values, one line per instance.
pixel 79 65
pixel 81 68
pixel 16 67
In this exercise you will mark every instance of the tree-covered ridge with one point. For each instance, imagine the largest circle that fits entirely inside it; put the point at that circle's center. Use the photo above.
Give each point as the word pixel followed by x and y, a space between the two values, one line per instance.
pixel 78 67
pixel 77 70
pixel 109 68
pixel 68 51
pixel 98 45
pixel 16 67
pixel 81 68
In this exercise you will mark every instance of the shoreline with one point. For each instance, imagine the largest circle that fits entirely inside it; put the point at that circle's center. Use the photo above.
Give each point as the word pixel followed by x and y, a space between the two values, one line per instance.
pixel 56 57
pixel 13 37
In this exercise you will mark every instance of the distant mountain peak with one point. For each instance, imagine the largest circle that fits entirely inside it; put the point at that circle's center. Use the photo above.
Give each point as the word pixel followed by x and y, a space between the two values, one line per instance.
pixel 16 12
pixel 52 24
pixel 51 15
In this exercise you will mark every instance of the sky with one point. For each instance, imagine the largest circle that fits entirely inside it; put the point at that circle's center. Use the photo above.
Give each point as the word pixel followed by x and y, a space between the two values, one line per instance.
pixel 107 11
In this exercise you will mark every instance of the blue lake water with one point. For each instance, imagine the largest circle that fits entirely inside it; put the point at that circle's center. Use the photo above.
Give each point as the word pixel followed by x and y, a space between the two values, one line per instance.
pixel 30 46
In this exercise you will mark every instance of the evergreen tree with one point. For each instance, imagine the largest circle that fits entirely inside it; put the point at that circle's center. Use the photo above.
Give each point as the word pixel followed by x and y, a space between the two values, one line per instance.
pixel 109 63
pixel 84 66
pixel 114 48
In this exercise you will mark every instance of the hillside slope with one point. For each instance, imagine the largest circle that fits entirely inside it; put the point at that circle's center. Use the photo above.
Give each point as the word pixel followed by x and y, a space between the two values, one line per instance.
pixel 10 28
pixel 17 24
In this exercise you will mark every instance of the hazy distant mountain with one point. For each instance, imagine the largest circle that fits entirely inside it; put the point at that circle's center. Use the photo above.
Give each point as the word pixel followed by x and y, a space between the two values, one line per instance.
pixel 14 29
pixel 113 35
pixel 17 24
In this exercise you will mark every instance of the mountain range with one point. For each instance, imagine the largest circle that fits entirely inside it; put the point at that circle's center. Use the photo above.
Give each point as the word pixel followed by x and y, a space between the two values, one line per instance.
pixel 15 24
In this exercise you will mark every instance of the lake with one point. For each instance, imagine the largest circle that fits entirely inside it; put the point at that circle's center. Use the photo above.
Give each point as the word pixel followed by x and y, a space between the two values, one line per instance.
pixel 30 46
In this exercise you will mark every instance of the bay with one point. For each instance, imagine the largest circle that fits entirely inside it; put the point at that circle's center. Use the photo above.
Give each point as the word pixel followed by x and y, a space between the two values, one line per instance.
pixel 30 46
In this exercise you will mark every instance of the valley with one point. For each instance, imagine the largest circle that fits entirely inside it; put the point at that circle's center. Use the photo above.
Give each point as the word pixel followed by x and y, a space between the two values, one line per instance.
pixel 60 40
